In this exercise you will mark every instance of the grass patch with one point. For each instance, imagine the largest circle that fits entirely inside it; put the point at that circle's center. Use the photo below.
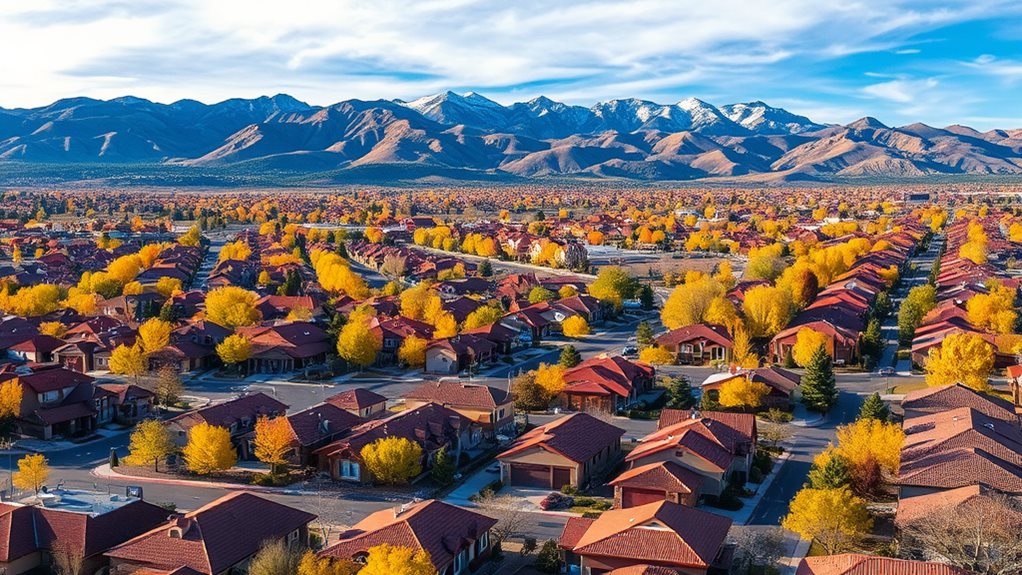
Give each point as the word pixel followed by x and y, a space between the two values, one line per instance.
pixel 903 388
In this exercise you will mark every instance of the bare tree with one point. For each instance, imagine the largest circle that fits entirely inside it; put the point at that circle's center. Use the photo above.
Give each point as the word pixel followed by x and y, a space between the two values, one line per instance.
pixel 773 434
pixel 275 558
pixel 509 511
pixel 756 547
pixel 68 558
pixel 979 535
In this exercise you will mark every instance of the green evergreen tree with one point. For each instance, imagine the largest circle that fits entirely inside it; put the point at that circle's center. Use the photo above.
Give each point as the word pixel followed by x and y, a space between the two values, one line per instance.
pixel 646 297
pixel 874 408
pixel 819 388
pixel 872 342
pixel 679 393
pixel 833 475
pixel 644 334
pixel 485 269
pixel 789 359
pixel 570 357
pixel 443 468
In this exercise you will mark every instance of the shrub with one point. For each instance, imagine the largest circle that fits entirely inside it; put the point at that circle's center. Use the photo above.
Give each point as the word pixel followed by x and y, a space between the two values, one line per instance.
pixel 569 489
pixel 263 479
pixel 762 462
pixel 775 415
pixel 584 501
pixel 755 475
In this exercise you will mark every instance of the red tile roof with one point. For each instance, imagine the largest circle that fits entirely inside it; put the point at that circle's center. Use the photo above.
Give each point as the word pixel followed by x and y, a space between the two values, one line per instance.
pixel 667 476
pixel 934 400
pixel 357 398
pixel 856 564
pixel 659 533
pixel 458 394
pixel 214 537
pixel 439 528
pixel 578 437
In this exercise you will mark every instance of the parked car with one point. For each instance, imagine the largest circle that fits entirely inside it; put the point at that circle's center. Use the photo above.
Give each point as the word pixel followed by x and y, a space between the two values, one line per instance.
pixel 630 351
pixel 885 371
pixel 556 500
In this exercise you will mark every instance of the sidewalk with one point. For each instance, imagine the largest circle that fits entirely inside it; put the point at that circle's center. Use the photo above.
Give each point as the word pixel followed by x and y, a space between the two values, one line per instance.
pixel 51 446
pixel 749 504
pixel 805 418
pixel 105 472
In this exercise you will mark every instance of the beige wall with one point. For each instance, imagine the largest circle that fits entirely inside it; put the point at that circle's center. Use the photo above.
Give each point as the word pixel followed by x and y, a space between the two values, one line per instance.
pixel 713 482
pixel 22 564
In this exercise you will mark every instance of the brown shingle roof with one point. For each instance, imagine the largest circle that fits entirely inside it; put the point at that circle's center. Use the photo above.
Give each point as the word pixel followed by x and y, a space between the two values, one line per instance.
pixel 458 394
pixel 857 564
pixel 578 437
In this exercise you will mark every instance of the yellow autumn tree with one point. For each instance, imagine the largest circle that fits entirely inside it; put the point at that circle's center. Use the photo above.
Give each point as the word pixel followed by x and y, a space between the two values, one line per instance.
pixel 869 444
pixel 742 352
pixel 389 559
pixel 154 334
pixel 550 377
pixel 961 358
pixel 232 306
pixel 807 341
pixel 237 250
pixel 125 268
pixel 575 326
pixel 149 254
pixel 656 355
pixel 273 442
pixel 485 315
pixel 33 471
pixel 357 344
pixel 413 351
pixel 689 302
pixel 767 310
pixel 444 325
pixel 742 393
pixel 52 328
pixel 993 311
pixel 834 518
pixel 131 361
pixel 10 399
pixel 393 460
pixel 234 349
pixel 150 442
pixel 209 449
pixel 168 286
pixel 721 312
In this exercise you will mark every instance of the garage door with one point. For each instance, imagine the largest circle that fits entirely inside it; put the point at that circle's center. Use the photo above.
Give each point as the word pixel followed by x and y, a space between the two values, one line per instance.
pixel 526 475
pixel 562 477
pixel 636 497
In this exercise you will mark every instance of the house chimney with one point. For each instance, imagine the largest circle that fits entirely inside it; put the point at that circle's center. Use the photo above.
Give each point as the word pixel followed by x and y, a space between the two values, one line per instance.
pixel 694 414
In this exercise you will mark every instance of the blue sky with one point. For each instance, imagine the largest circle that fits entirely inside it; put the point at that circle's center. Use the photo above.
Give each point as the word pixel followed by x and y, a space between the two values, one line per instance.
pixel 902 61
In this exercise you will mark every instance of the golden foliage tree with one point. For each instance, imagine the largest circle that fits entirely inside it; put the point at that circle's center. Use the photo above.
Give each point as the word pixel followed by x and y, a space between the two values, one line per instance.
pixel 393 460
pixel 237 250
pixel 33 470
pixel 312 564
pixel 52 328
pixel 742 352
pixel 742 393
pixel 232 306
pixel 689 303
pixel 273 439
pixel 209 449
pixel 993 311
pixel 834 518
pixel 10 398
pixel 870 445
pixel 721 312
pixel 551 378
pixel 150 442
pixel 656 355
pixel 961 358
pixel 767 310
pixel 575 326
pixel 357 344
pixel 389 559
pixel 413 351
pixel 131 361
pixel 168 286
pixel 335 275
pixel 485 315
pixel 234 349
pixel 31 301
pixel 444 325
pixel 83 302
pixel 154 334
pixel 807 341
pixel 125 268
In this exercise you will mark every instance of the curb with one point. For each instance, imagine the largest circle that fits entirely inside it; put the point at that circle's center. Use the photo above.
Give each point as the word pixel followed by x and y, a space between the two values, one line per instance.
pixel 765 485
pixel 104 472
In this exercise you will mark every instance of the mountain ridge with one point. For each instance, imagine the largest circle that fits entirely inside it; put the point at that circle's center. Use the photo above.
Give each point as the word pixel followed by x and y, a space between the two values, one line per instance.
pixel 623 138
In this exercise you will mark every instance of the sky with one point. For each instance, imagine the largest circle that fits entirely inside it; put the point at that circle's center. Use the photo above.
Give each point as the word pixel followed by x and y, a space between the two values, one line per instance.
pixel 902 61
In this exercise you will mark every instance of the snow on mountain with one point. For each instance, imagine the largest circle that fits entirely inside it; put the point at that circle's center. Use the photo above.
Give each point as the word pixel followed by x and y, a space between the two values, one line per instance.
pixel 767 120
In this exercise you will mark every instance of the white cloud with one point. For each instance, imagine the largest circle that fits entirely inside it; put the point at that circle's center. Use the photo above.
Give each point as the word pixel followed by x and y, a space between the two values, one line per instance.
pixel 901 91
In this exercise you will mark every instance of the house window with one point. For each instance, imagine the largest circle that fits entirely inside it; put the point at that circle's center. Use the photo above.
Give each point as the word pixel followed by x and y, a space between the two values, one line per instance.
pixel 686 348
pixel 348 469
pixel 292 538
pixel 460 561
pixel 48 396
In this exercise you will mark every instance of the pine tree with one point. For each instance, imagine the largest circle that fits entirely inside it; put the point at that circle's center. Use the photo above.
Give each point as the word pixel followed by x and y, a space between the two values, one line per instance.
pixel 872 340
pixel 819 388
pixel 646 297
pixel 570 357
pixel 789 359
pixel 679 393
pixel 485 269
pixel 874 408
pixel 833 474
pixel 443 468
pixel 644 334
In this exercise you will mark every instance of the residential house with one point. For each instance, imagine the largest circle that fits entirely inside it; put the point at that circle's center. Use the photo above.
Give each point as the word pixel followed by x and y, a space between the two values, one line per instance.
pixel 130 403
pixel 782 384
pixel 433 427
pixel 719 446
pixel 859 564
pixel 312 428
pixel 686 540
pixel 218 538
pixel 698 344
pixel 572 450
pixel 657 481
pixel 491 408
pixel 30 533
pixel 842 342
pixel 457 540
pixel 285 347
pixel 606 383
pixel 238 416
pixel 55 402
pixel 361 402
pixel 38 349
pixel 935 400
pixel 453 355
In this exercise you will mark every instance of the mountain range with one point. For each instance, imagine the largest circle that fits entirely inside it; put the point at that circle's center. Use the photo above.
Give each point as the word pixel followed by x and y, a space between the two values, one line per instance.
pixel 470 133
